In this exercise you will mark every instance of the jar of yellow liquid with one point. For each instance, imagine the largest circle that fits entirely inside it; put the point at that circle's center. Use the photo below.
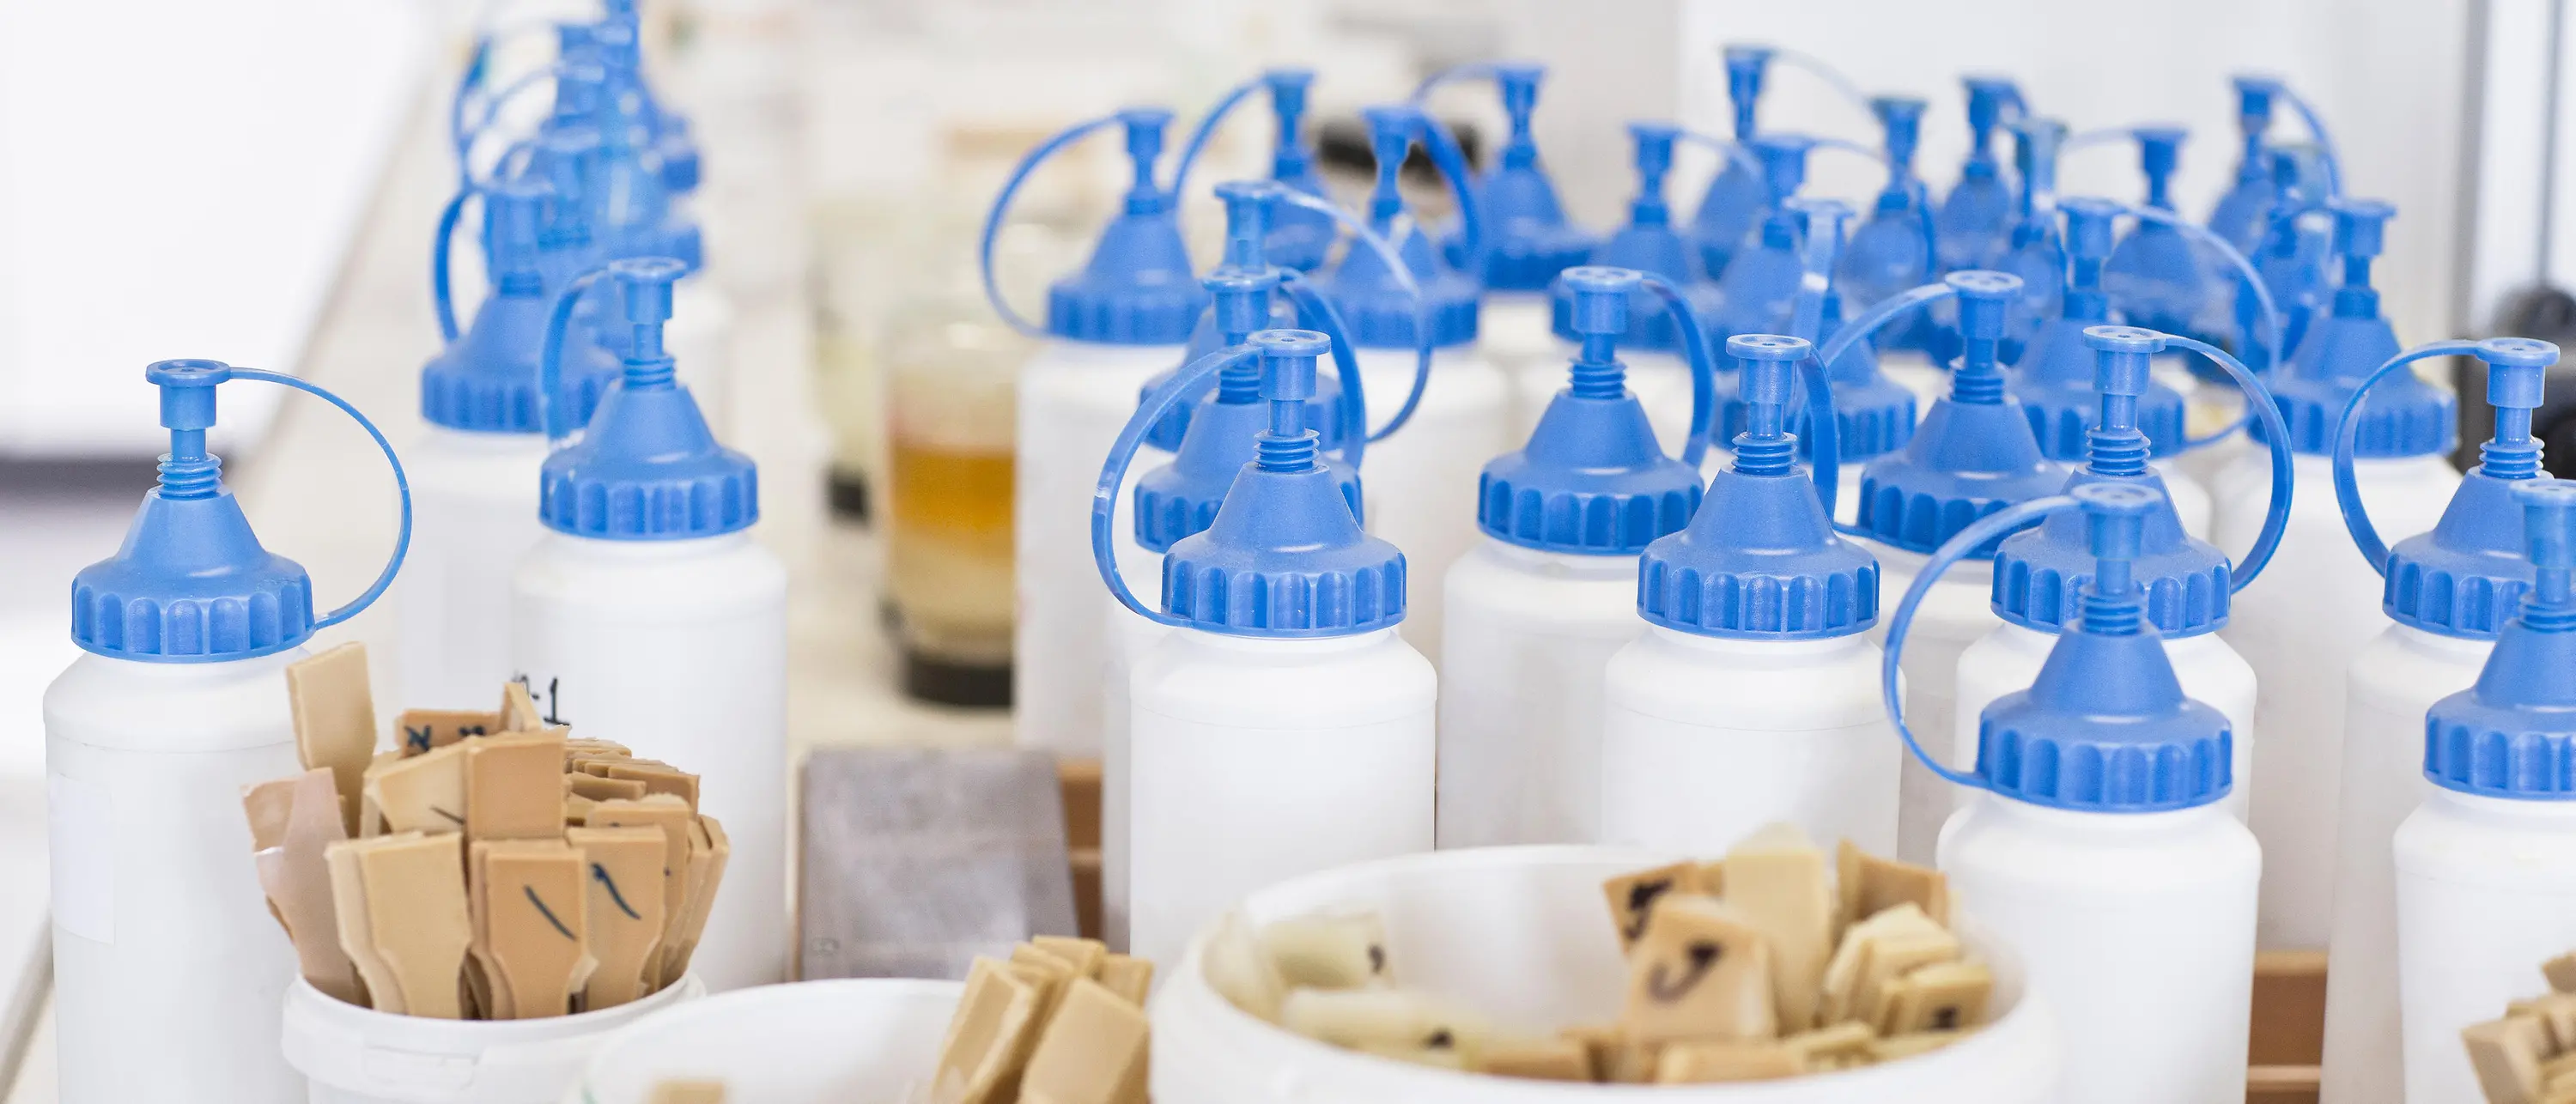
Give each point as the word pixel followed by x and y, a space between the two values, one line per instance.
pixel 950 416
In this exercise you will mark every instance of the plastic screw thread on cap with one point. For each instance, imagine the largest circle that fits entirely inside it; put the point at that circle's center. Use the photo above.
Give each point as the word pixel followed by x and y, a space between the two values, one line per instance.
pixel 1765 381
pixel 1518 82
pixel 644 286
pixel 1983 299
pixel 1287 381
pixel 1744 70
pixel 1654 159
pixel 2359 225
pixel 2115 446
pixel 2159 153
pixel 2088 245
pixel 1600 316
pixel 2517 377
pixel 1288 104
pixel 2116 521
pixel 1390 139
pixel 187 411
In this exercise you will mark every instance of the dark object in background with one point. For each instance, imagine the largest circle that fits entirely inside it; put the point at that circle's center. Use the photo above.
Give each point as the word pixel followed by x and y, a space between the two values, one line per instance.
pixel 1342 150
pixel 848 496
pixel 2541 313
pixel 915 860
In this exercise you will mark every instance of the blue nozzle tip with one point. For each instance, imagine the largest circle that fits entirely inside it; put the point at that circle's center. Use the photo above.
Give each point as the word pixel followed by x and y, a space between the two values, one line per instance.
pixel 2358 225
pixel 1600 298
pixel 2115 514
pixel 1288 363
pixel 1899 109
pixel 1294 80
pixel 1984 284
pixel 2123 339
pixel 2089 223
pixel 1773 347
pixel 187 373
pixel 2549 518
pixel 1747 56
pixel 2517 352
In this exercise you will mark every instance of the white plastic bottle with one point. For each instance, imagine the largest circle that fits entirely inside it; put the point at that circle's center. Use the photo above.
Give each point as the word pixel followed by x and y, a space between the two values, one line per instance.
pixel 1549 593
pixel 1109 328
pixel 1422 489
pixel 2039 573
pixel 2054 378
pixel 1284 727
pixel 2101 852
pixel 1973 455
pixel 2486 865
pixel 168 970
pixel 1180 498
pixel 2449 592
pixel 2303 627
pixel 1752 697
pixel 1527 242
pixel 649 615
pixel 474 471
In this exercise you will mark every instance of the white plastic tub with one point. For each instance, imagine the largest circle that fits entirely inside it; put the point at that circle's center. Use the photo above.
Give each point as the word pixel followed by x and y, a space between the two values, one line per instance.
pixel 353 1055
pixel 1521 934
pixel 847 1041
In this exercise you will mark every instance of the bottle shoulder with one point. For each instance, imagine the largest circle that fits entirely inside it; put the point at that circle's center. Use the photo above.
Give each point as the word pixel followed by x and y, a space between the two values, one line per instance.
pixel 2001 840
pixel 732 567
pixel 1192 675
pixel 1523 586
pixel 1744 684
pixel 2489 841
pixel 127 704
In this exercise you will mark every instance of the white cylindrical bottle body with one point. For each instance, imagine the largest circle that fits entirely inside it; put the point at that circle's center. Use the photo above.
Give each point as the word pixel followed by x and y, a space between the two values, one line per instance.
pixel 168 969
pixel 474 514
pixel 2315 608
pixel 678 649
pixel 1957 612
pixel 2008 658
pixel 2392 684
pixel 2137 928
pixel 1420 483
pixel 1528 636
pixel 1660 380
pixel 699 338
pixel 1706 739
pixel 2486 892
pixel 1074 398
pixel 1130 636
pixel 1252 761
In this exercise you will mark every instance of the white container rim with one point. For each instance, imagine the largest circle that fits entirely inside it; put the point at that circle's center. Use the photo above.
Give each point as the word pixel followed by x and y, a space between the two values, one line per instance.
pixel 399 1057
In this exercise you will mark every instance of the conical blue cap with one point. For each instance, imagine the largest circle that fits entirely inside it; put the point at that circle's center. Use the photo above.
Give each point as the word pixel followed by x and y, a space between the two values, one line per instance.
pixel 1648 244
pixel 1138 288
pixel 192 583
pixel 1873 415
pixel 2467 576
pixel 2157 275
pixel 1736 199
pixel 1592 480
pixel 648 468
pixel 1380 312
pixel 1977 215
pixel 2055 379
pixel 1973 454
pixel 486 381
pixel 2404 416
pixel 2105 727
pixel 1531 241
pixel 1760 560
pixel 2040 574
pixel 1891 252
pixel 2514 733
pixel 1284 558
pixel 1250 208
pixel 1761 284
pixel 1299 237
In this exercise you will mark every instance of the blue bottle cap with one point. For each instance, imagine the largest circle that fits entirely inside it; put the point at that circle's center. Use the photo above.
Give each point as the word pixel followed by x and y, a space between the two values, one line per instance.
pixel 1284 558
pixel 2238 217
pixel 2105 727
pixel 486 380
pixel 1251 207
pixel 2291 261
pixel 1892 250
pixel 1532 241
pixel 1299 237
pixel 2513 734
pixel 2040 574
pixel 1137 288
pixel 1592 480
pixel 1647 244
pixel 1873 415
pixel 1733 205
pixel 1381 314
pixel 1977 215
pixel 2156 275
pixel 1760 559
pixel 1761 283
pixel 192 583
pixel 648 468
pixel 2466 577
pixel 1973 454
pixel 2037 254
pixel 2054 380
pixel 2404 417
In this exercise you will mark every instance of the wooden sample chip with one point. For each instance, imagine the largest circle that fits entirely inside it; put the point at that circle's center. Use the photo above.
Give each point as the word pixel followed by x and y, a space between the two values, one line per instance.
pixel 689 1092
pixel 423 793
pixel 1085 955
pixel 2557 1015
pixel 305 887
pixel 2561 972
pixel 1841 994
pixel 1831 1048
pixel 513 788
pixel 534 923
pixel 1776 879
pixel 356 930
pixel 335 713
pixel 1239 972
pixel 1949 996
pixel 987 1036
pixel 624 874
pixel 416 916
pixel 1886 959
pixel 1091 1052
pixel 1333 951
pixel 581 784
pixel 1715 1062
pixel 1632 897
pixel 656 778
pixel 518 712
pixel 1131 978
pixel 671 817
pixel 709 852
pixel 1870 884
pixel 420 730
pixel 1537 1059
pixel 2506 1054
pixel 1895 1047
pixel 1700 972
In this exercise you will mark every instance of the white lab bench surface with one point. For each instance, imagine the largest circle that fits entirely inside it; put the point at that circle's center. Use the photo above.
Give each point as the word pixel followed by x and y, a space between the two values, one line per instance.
pixel 318 492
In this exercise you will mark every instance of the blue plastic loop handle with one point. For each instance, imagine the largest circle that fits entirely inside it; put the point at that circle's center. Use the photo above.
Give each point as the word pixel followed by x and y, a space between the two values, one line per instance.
pixel 402 486
pixel 1474 70
pixel 1943 559
pixel 1703 366
pixel 1732 151
pixel 2271 316
pixel 1300 288
pixel 1113 473
pixel 1452 163
pixel 2329 159
pixel 1818 68
pixel 1002 208
pixel 2356 517
pixel 1316 311
pixel 466 135
pixel 2276 437
pixel 1879 315
pixel 1206 129
pixel 550 359
pixel 442 244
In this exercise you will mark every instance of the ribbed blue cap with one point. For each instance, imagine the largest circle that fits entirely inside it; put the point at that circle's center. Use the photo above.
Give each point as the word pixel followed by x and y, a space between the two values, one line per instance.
pixel 1760 559
pixel 1284 558
pixel 1138 288
pixel 2404 416
pixel 1873 415
pixel 648 468
pixel 1976 218
pixel 1299 237
pixel 2040 573
pixel 1648 244
pixel 1759 285
pixel 2156 276
pixel 1380 313
pixel 486 380
pixel 1592 480
pixel 1973 454
pixel 192 583
pixel 2514 733
pixel 1531 241
pixel 1888 253
pixel 2467 576
pixel 2105 727
pixel 1250 208
pixel 2054 379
